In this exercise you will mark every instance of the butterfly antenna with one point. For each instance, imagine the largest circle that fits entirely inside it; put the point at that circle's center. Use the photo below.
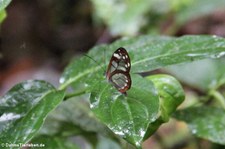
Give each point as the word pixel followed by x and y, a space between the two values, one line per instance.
pixel 94 61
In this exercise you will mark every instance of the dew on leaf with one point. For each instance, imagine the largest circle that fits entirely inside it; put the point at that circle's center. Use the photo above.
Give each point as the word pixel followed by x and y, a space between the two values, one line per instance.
pixel 9 116
pixel 95 103
pixel 218 55
pixel 28 85
pixel 194 131
pixel 116 96
pixel 62 80
pixel 142 132
pixel 196 54
pixel 117 131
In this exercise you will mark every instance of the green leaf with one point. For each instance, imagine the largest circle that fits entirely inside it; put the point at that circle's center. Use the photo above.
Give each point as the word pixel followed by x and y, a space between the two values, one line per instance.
pixel 171 94
pixel 4 4
pixel 53 142
pixel 2 17
pixel 146 52
pixel 205 122
pixel 127 116
pixel 24 108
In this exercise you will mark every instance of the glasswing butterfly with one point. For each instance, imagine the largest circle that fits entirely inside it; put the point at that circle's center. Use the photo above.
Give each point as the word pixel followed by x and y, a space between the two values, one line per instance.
pixel 118 71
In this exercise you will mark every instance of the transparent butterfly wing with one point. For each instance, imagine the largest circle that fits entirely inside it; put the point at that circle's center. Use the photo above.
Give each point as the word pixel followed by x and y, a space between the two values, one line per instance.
pixel 121 80
pixel 118 70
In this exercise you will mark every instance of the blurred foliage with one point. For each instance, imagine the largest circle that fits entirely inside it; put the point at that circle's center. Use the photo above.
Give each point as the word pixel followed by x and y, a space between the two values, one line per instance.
pixel 129 17
pixel 124 17
pixel 197 8
pixel 3 5
pixel 2 16
pixel 205 122
pixel 197 77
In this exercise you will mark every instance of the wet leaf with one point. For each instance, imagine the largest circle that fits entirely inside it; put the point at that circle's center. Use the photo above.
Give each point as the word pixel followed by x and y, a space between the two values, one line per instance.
pixel 205 122
pixel 171 94
pixel 24 108
pixel 127 116
pixel 132 116
pixel 146 53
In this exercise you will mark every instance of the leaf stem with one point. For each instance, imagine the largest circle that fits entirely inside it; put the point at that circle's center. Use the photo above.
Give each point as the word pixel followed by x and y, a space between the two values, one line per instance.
pixel 218 96
pixel 221 82
pixel 74 94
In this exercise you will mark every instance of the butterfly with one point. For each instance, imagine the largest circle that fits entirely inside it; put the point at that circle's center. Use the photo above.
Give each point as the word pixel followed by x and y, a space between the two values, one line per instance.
pixel 118 71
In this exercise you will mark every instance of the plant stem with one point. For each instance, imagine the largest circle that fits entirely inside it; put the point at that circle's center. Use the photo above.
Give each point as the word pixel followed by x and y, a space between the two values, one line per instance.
pixel 73 95
pixel 218 96
pixel 221 82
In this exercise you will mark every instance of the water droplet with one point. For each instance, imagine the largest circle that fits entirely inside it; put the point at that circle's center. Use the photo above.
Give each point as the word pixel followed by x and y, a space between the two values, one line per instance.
pixel 62 80
pixel 115 96
pixel 218 55
pixel 142 133
pixel 194 131
pixel 27 85
pixel 33 117
pixel 86 85
pixel 196 54
pixel 137 143
pixel 9 116
pixel 126 131
pixel 120 133
pixel 153 118
pixel 117 130
pixel 165 87
pixel 95 103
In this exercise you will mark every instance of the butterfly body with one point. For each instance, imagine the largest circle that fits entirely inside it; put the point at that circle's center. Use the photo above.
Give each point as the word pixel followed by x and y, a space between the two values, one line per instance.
pixel 118 71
